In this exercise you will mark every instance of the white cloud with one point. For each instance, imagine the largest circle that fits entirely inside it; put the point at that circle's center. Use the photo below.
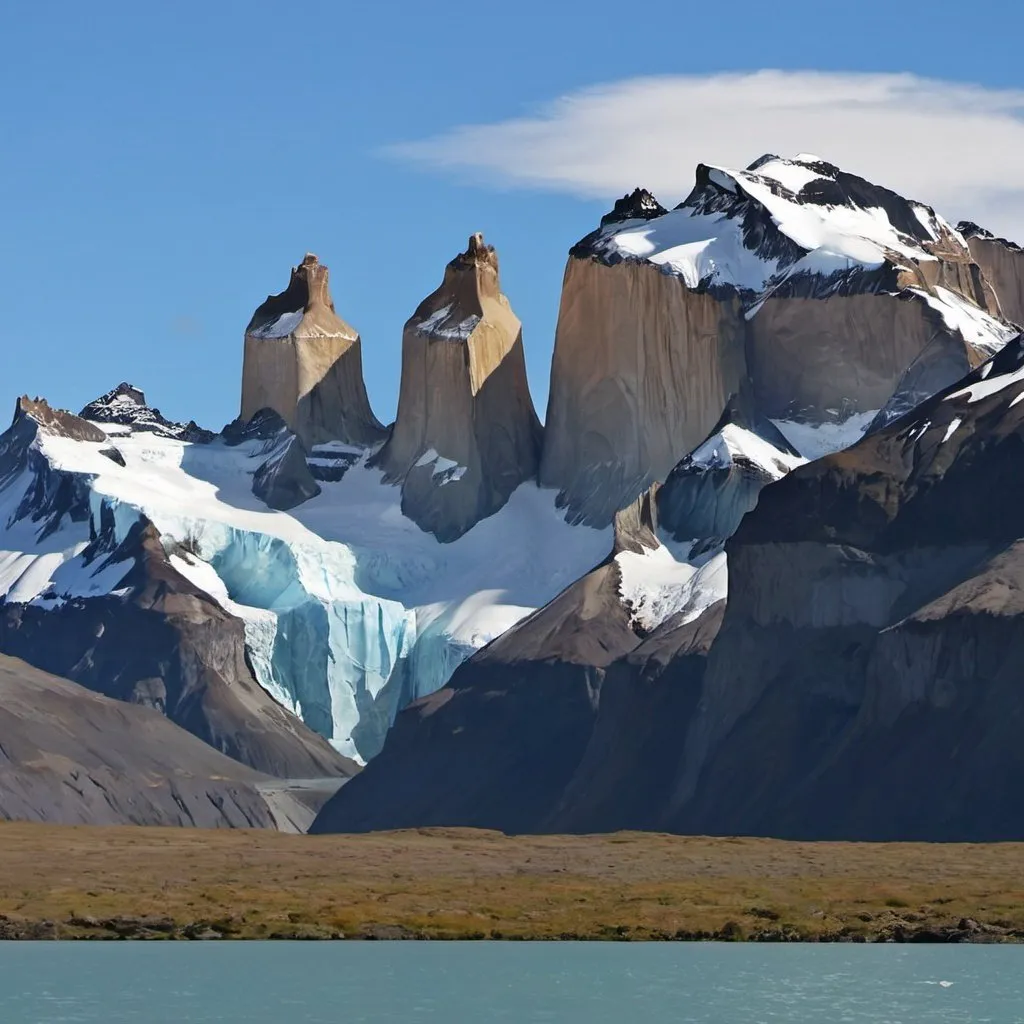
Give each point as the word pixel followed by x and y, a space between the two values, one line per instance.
pixel 958 147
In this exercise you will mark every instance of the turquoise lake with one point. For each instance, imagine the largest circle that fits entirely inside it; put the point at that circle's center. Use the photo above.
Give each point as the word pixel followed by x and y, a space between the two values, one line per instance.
pixel 589 983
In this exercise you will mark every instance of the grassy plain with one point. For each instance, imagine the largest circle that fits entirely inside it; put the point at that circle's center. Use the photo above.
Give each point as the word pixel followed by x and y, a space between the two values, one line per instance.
pixel 64 881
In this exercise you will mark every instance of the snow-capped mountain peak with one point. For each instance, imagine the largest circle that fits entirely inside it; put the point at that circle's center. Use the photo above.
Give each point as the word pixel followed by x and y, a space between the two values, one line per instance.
pixel 777 222
pixel 125 406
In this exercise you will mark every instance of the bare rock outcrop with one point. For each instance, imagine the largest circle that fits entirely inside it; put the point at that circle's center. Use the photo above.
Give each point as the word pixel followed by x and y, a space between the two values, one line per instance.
pixel 864 684
pixel 71 756
pixel 466 434
pixel 835 297
pixel 643 366
pixel 1002 263
pixel 304 362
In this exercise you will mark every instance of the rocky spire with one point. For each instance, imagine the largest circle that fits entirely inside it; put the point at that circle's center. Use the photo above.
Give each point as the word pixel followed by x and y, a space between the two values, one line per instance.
pixel 466 434
pixel 304 362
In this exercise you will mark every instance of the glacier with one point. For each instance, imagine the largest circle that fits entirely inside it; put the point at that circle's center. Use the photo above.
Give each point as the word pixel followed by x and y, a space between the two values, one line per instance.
pixel 350 610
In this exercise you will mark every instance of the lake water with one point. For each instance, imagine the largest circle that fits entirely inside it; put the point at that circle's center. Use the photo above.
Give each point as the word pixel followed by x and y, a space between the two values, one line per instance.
pixel 589 983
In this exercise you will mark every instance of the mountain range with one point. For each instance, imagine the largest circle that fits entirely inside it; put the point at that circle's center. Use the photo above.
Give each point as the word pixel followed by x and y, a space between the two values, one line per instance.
pixel 756 573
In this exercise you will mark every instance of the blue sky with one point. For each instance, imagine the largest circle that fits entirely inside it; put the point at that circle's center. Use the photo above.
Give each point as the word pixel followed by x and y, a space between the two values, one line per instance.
pixel 165 164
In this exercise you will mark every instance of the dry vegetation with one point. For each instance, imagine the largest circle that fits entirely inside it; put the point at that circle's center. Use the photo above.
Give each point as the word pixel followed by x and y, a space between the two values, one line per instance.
pixel 452 883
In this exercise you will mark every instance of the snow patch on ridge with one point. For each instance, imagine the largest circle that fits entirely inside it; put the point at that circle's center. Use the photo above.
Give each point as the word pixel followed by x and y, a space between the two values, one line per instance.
pixel 977 327
pixel 448 469
pixel 816 440
pixel 281 327
pixel 659 584
pixel 733 442
pixel 439 324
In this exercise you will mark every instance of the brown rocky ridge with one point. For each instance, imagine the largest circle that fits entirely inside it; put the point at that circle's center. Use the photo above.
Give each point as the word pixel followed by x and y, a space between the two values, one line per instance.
pixel 71 756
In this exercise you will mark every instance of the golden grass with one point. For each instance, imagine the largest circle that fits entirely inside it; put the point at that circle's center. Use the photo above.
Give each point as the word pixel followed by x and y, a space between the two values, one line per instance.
pixel 452 883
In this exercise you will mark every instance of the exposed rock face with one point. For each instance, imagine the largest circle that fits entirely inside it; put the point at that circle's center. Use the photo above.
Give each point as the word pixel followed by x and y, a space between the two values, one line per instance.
pixel 625 776
pixel 1002 262
pixel 466 434
pixel 836 296
pixel 304 362
pixel 863 684
pixel 71 756
pixel 642 368
pixel 284 480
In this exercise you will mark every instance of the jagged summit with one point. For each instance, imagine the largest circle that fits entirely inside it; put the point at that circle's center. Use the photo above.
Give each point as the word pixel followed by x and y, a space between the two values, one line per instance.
pixel 304 362
pixel 748 232
pixel 636 205
pixel 970 230
pixel 466 434
pixel 126 406
pixel 834 296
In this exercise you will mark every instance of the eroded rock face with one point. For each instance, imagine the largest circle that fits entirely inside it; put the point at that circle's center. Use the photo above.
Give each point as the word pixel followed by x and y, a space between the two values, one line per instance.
pixel 71 756
pixel 466 434
pixel 283 479
pixel 710 490
pixel 834 296
pixel 860 687
pixel 642 368
pixel 1002 262
pixel 304 362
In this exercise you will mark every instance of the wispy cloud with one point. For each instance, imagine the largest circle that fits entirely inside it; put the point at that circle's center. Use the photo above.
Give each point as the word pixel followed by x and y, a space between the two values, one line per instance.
pixel 958 147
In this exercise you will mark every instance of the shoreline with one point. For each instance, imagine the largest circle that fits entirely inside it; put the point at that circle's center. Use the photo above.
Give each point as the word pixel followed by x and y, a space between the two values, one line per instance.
pixel 127 882
pixel 136 929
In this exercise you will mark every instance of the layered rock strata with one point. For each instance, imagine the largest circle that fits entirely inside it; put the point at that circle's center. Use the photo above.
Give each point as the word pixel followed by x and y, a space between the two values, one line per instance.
pixel 304 362
pixel 466 434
